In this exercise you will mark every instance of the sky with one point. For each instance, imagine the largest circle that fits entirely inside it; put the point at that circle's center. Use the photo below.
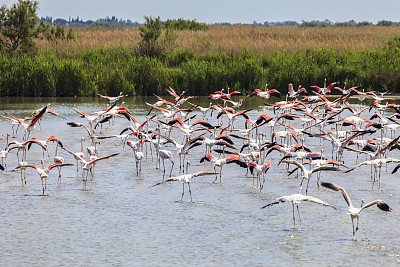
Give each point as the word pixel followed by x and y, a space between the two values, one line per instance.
pixel 214 11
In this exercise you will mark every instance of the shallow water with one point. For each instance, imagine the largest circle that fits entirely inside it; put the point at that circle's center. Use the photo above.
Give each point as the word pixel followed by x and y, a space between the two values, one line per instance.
pixel 116 219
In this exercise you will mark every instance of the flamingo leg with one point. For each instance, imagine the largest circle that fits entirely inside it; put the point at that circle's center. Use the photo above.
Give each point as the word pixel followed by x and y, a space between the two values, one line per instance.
pixel 59 175
pixel 308 181
pixel 180 164
pixel 43 186
pixel 294 218
pixel 92 171
pixel 183 190
pixel 358 218
pixel 164 168
pixel 22 179
pixel 298 212
pixel 190 192
pixel 170 173
pixel 184 158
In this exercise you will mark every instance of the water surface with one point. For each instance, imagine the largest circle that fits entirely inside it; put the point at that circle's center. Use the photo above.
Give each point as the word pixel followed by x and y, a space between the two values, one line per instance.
pixel 116 219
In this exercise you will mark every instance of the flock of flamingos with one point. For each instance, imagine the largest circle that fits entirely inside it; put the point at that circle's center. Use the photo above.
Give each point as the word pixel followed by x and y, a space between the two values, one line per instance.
pixel 225 134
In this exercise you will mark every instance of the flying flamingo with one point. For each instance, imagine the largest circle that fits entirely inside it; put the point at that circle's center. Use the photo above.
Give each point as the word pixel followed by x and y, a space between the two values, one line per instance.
pixel 29 127
pixel 377 164
pixel 294 94
pixel 325 90
pixel 15 122
pixel 296 199
pixel 43 173
pixel 239 103
pixel 308 172
pixel 92 119
pixel 221 162
pixel 353 211
pixel 266 94
pixel 113 99
pixel 185 179
pixel 88 165
pixel 174 94
pixel 41 143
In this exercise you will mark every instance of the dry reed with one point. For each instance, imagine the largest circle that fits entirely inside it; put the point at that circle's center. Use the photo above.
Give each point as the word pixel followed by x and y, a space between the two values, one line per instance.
pixel 235 38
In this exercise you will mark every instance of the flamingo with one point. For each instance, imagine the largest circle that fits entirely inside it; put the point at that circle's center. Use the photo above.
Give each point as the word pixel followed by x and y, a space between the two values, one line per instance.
pixel 15 122
pixel 220 140
pixel 239 103
pixel 91 119
pixel 121 137
pixel 353 211
pixel 261 170
pixel 307 173
pixel 174 94
pixel 185 179
pixel 88 165
pixel 18 146
pixel 325 90
pixel 43 173
pixel 377 164
pixel 165 154
pixel 22 166
pixel 29 127
pixel 181 150
pixel 266 94
pixel 296 199
pixel 113 99
pixel 294 94
pixel 41 143
pixel 167 113
pixel 232 116
pixel 221 162
pixel 78 156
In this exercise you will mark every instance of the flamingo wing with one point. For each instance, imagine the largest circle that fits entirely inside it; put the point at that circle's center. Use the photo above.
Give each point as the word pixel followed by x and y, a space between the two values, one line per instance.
pixel 317 201
pixel 380 203
pixel 338 188
pixel 106 157
pixel 276 201
pixel 59 165
pixel 39 116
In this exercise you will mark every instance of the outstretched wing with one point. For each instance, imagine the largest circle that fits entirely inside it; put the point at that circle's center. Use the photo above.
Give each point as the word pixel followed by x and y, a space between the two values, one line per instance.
pixel 276 201
pixel 338 188
pixel 318 201
pixel 59 165
pixel 381 205
pixel 201 173
pixel 109 156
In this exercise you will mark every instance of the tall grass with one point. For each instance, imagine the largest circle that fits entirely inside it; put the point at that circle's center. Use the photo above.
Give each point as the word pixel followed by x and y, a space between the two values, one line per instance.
pixel 234 39
pixel 85 68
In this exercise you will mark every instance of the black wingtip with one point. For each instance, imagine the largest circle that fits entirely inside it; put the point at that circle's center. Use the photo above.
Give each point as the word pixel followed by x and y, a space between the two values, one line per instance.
pixel 383 206
pixel 330 186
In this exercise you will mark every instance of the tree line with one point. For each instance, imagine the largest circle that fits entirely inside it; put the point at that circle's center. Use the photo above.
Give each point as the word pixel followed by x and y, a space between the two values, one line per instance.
pixel 183 24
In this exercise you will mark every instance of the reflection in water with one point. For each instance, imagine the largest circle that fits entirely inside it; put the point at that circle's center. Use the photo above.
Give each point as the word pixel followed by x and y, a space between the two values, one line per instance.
pixel 116 219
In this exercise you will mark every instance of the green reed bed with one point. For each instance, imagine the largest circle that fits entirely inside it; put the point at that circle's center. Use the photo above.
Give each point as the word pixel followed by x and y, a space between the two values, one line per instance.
pixel 111 70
